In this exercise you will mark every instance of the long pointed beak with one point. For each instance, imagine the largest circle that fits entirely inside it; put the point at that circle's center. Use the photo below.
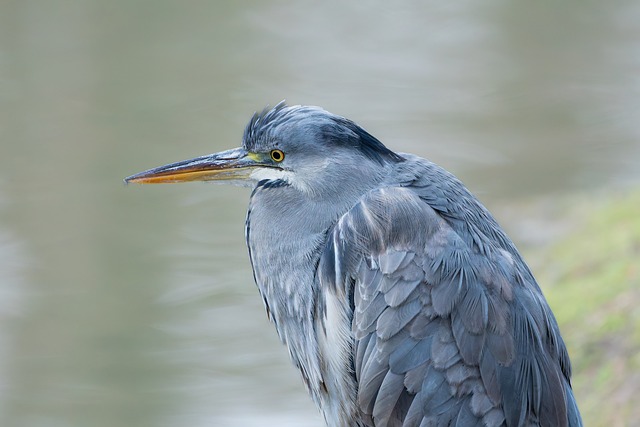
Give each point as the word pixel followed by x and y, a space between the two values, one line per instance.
pixel 235 164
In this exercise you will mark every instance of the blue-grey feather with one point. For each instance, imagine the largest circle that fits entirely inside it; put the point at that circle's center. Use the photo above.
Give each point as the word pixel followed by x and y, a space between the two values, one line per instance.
pixel 414 377
pixel 444 354
pixel 390 390
pixel 393 319
pixel 480 403
pixel 461 372
pixel 490 379
pixel 371 378
pixel 441 402
pixel 421 326
pixel 474 309
pixel 390 263
pixel 400 293
pixel 364 347
pixel 433 381
pixel 367 318
pixel 494 417
pixel 470 345
pixel 387 282
pixel 501 347
pixel 466 418
pixel 409 357
pixel 415 414
pixel 447 323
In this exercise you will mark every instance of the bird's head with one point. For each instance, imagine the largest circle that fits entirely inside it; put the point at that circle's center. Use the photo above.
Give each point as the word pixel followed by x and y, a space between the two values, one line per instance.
pixel 304 147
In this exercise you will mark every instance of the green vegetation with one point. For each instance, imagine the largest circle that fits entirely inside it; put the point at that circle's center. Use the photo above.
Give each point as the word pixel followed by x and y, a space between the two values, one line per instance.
pixel 592 281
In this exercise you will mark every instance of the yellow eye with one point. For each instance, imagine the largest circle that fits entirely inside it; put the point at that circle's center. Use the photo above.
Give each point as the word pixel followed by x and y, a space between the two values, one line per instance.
pixel 277 155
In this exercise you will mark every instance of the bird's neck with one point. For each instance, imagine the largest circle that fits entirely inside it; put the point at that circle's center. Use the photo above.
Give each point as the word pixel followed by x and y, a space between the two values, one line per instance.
pixel 285 236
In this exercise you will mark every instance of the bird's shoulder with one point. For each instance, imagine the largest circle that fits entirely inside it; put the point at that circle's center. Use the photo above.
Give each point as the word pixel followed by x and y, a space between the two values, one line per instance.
pixel 445 324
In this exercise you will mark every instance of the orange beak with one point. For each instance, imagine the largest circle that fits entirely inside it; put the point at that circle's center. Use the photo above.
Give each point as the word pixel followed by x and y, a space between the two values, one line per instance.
pixel 231 165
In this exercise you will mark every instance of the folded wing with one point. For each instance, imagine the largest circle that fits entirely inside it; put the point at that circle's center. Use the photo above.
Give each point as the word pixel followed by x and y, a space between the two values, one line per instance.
pixel 444 332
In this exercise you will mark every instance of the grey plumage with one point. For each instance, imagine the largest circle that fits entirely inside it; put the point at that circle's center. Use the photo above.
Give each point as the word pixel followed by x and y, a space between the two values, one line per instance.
pixel 400 299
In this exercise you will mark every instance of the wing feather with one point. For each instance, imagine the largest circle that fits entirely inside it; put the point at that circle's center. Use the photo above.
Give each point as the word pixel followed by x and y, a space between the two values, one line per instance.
pixel 393 319
pixel 390 390
pixel 448 329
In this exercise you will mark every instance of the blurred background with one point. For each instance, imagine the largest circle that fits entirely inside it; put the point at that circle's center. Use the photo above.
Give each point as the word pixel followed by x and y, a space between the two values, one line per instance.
pixel 135 305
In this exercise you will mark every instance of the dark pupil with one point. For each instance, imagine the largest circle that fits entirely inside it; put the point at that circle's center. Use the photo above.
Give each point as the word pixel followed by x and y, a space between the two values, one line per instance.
pixel 276 155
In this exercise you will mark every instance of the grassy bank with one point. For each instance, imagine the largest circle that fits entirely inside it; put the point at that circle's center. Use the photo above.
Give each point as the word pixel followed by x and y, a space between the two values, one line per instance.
pixel 592 281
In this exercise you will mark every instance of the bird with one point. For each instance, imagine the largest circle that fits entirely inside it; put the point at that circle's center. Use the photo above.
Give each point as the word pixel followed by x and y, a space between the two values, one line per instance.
pixel 401 300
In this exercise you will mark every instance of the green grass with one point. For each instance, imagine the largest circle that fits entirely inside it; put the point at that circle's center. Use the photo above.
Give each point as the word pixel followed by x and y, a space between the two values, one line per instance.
pixel 592 282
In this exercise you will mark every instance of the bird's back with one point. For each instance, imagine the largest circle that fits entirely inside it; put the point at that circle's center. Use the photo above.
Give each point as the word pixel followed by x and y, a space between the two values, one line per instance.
pixel 448 325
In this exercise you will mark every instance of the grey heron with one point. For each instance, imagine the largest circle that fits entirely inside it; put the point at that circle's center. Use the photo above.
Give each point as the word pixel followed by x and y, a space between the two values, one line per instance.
pixel 401 300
